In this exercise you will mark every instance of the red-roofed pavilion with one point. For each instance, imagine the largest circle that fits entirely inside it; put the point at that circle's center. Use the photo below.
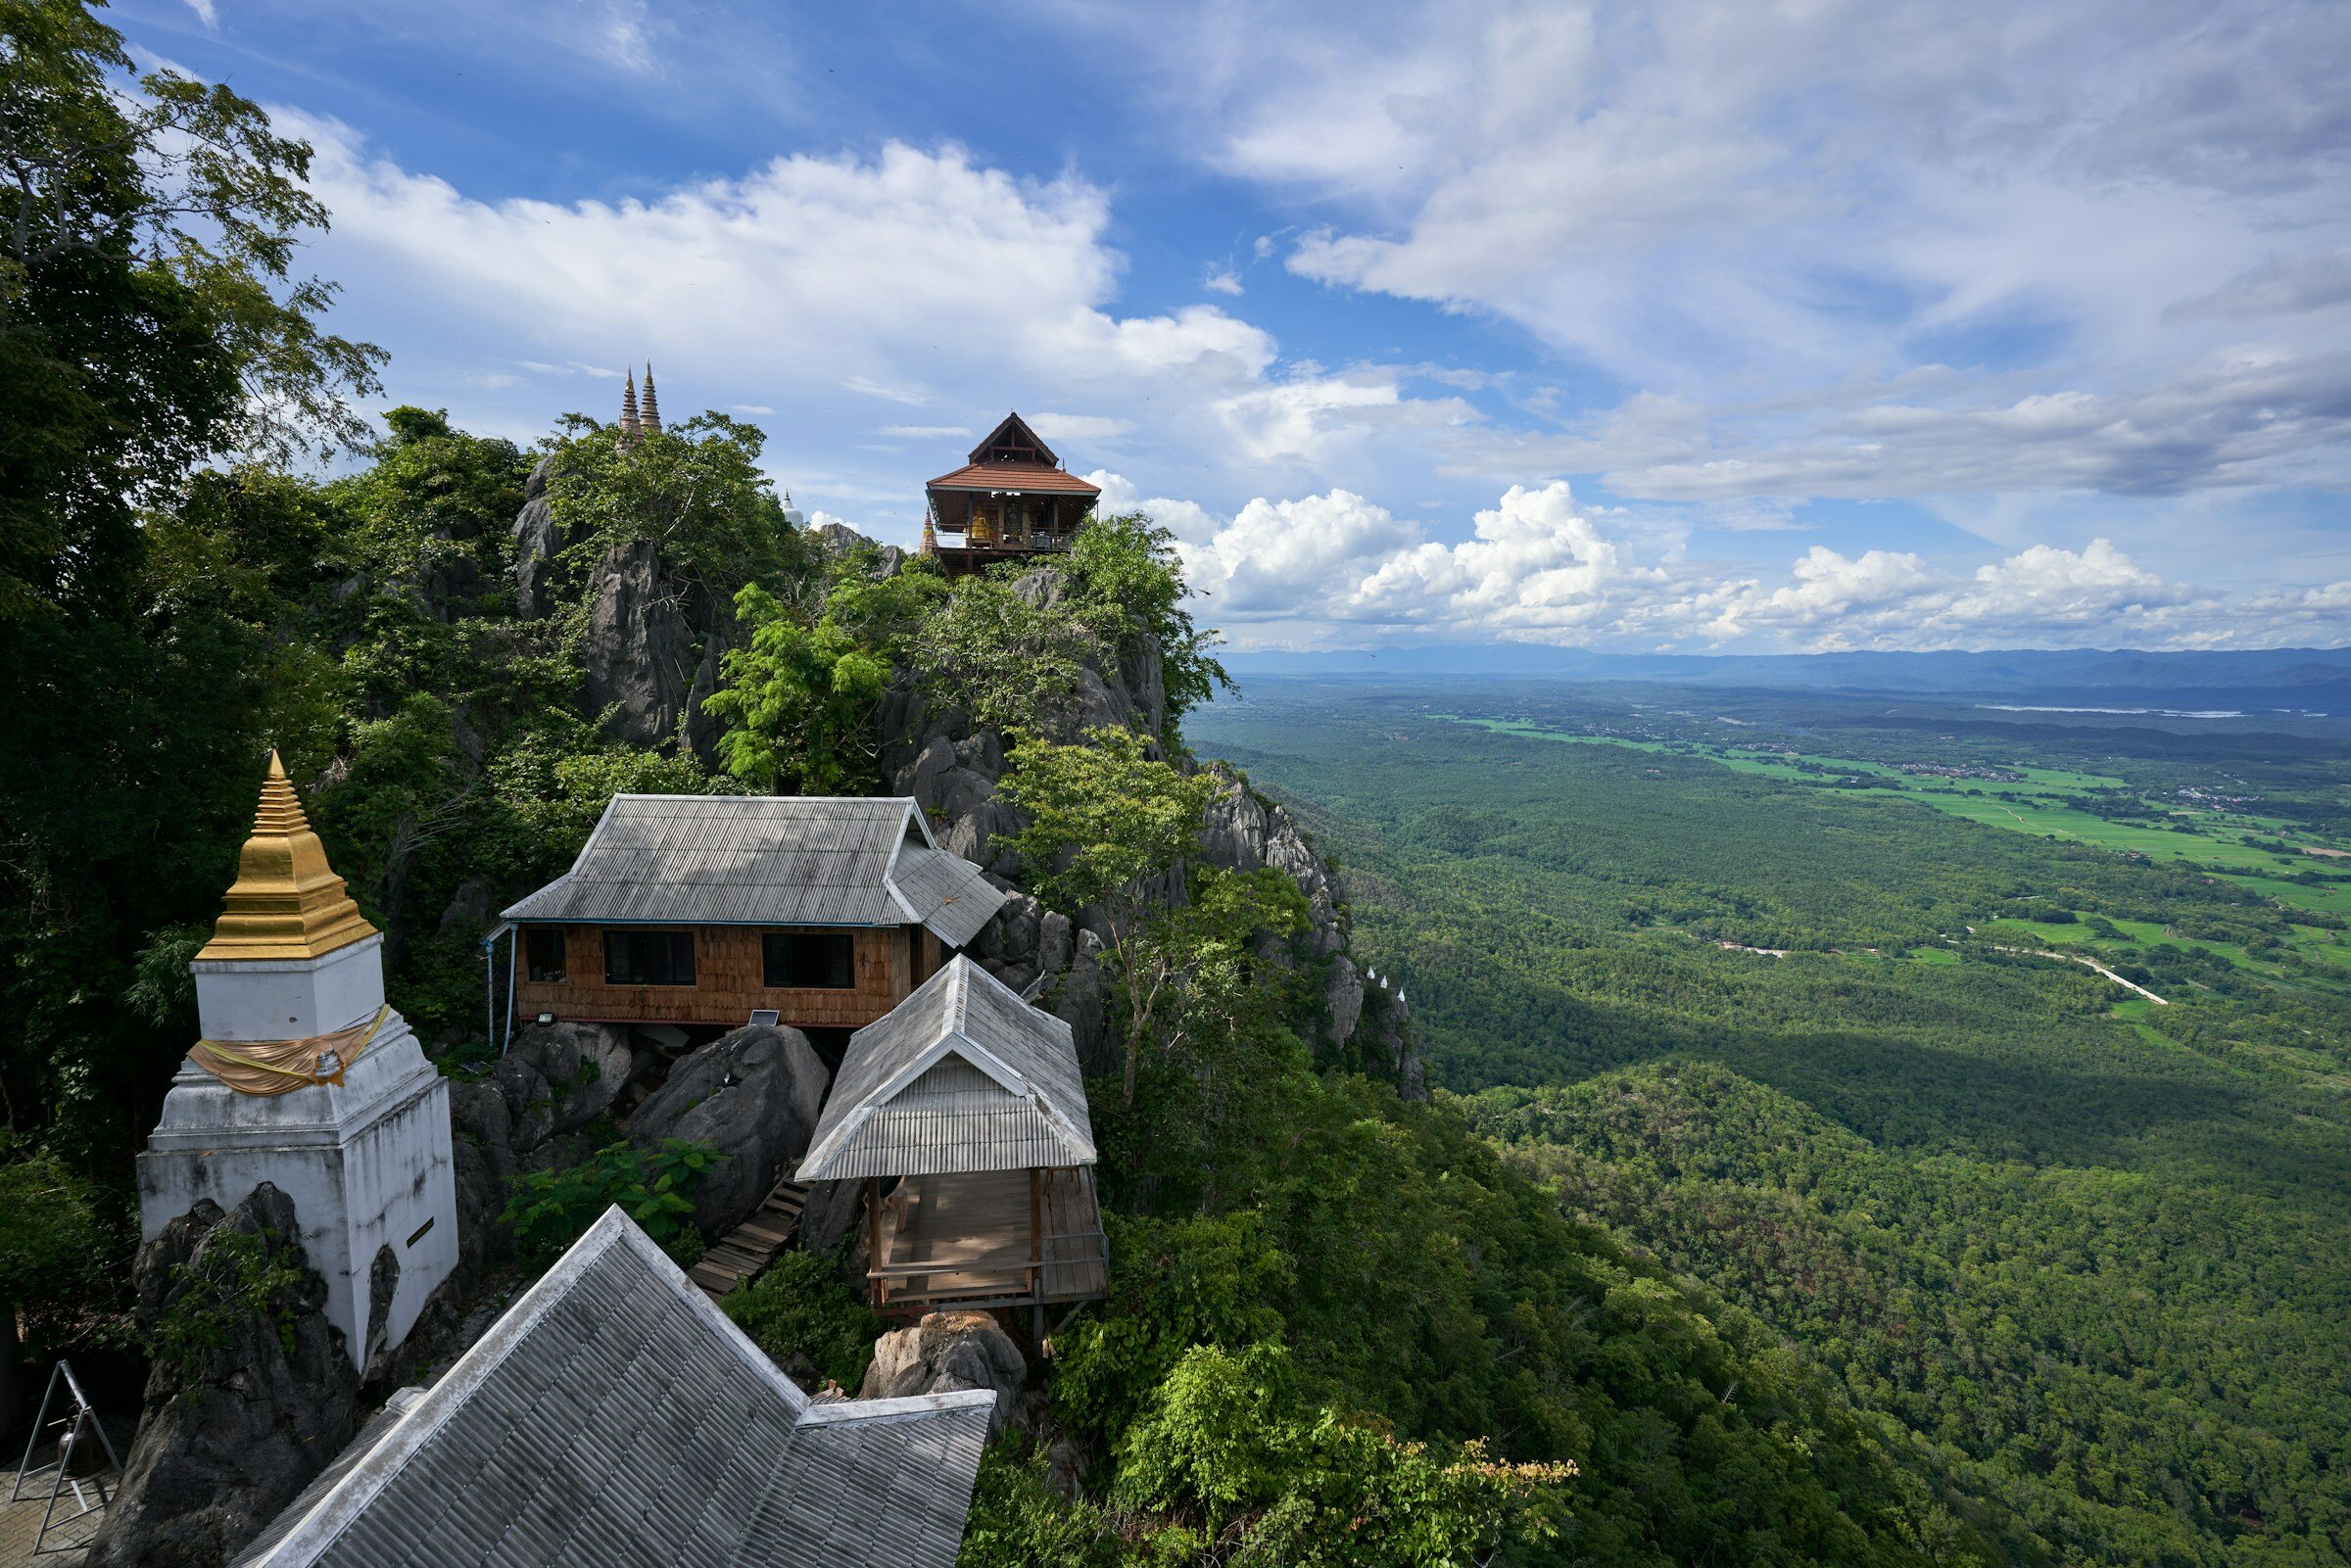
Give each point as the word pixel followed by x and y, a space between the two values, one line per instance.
pixel 1011 500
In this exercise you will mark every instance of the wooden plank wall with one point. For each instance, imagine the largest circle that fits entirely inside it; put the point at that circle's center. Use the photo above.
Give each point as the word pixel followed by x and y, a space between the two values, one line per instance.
pixel 730 971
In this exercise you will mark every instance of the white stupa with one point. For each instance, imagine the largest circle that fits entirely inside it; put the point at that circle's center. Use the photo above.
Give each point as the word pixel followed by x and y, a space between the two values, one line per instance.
pixel 307 1078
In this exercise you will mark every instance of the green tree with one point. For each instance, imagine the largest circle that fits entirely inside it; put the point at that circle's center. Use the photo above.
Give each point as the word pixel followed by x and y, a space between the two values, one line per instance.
pixel 798 1312
pixel 798 702
pixel 55 1251
pixel 1130 584
pixel 146 314
pixel 149 322
pixel 695 491
pixel 1002 653
pixel 1107 821
pixel 550 1210
pixel 1228 1441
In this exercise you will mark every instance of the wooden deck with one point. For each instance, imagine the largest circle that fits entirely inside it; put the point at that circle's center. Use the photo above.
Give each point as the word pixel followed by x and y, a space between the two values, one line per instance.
pixel 966 1239
pixel 742 1252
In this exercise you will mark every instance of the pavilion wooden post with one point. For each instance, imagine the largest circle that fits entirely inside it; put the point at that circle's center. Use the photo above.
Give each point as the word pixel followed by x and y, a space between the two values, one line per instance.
pixel 1036 1254
pixel 873 1236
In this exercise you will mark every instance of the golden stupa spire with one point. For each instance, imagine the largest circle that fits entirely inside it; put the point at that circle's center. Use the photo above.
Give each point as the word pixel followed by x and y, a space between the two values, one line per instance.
pixel 287 902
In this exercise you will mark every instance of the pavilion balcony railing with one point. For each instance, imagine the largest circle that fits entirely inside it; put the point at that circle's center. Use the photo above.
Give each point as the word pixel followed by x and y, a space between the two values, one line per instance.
pixel 1076 1266
pixel 951 540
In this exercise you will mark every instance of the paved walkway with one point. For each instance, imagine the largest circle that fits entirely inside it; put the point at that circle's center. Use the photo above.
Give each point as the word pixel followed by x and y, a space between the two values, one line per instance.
pixel 21 1522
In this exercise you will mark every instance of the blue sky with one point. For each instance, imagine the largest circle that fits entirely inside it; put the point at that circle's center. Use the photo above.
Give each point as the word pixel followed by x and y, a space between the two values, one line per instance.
pixel 1695 325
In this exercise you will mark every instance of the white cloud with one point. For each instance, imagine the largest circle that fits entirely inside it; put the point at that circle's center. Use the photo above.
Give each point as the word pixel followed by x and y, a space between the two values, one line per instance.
pixel 206 13
pixel 2114 235
pixel 813 281
pixel 1774 305
pixel 1338 569
pixel 1222 280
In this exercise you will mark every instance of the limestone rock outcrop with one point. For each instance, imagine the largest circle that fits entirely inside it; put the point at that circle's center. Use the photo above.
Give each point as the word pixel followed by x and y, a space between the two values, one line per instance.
pixel 639 655
pixel 832 1211
pixel 838 539
pixel 529 1112
pixel 538 541
pixel 752 1095
pixel 936 756
pixel 1245 832
pixel 252 1398
pixel 945 1354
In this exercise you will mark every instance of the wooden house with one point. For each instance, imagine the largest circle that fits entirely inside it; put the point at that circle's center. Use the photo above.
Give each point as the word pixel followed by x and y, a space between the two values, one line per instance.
pixel 1011 500
pixel 704 909
pixel 964 1113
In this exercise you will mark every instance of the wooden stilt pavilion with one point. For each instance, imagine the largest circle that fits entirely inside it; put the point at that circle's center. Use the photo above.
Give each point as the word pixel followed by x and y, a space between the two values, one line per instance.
pixel 964 1113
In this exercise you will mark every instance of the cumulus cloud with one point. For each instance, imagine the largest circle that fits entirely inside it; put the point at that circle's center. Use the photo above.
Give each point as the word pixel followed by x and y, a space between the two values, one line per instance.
pixel 1338 569
pixel 812 261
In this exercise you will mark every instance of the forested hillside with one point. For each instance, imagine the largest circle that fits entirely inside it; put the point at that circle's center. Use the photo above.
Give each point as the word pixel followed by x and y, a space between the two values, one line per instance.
pixel 2094 1250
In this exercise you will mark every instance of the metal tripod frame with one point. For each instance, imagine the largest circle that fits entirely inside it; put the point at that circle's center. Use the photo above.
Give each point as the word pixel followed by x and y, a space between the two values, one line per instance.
pixel 83 1419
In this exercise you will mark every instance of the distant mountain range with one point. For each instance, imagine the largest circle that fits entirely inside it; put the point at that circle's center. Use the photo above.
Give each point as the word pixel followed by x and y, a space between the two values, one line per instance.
pixel 2305 680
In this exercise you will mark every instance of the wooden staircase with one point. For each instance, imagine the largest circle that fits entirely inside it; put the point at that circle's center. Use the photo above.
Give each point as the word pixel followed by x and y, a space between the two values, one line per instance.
pixel 742 1252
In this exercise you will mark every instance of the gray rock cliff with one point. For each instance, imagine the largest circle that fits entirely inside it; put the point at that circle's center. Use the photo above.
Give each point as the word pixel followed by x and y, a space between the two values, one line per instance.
pixel 538 541
pixel 257 1400
pixel 752 1094
pixel 639 657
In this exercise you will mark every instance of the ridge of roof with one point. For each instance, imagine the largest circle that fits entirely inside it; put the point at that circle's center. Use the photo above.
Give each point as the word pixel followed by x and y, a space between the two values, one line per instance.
pixel 763 860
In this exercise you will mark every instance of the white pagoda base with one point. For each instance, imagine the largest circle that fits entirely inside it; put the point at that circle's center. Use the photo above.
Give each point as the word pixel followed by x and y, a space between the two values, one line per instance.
pixel 366 1160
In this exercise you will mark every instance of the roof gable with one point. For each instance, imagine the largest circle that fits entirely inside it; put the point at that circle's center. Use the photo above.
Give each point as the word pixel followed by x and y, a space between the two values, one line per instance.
pixel 963 1076
pixel 614 1416
pixel 1014 442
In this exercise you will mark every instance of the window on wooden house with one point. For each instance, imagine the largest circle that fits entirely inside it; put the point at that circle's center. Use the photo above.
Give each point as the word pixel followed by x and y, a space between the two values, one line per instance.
pixel 649 958
pixel 543 953
pixel 810 960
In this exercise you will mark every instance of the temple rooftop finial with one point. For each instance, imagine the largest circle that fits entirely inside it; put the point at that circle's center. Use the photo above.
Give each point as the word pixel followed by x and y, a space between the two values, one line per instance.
pixel 650 419
pixel 287 902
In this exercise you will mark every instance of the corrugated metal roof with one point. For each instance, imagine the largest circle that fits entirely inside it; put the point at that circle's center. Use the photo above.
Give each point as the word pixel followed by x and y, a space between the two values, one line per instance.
pixel 767 860
pixel 613 1416
pixel 961 1077
pixel 955 895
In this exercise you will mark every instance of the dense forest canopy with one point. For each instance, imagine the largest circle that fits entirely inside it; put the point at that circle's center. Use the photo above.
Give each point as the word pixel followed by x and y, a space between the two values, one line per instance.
pixel 1786 1023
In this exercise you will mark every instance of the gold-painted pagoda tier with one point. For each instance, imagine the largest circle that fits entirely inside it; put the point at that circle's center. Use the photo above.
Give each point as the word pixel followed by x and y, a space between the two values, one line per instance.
pixel 287 902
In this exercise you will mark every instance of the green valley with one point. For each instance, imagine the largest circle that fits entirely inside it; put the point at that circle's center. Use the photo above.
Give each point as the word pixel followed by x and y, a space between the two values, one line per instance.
pixel 1709 970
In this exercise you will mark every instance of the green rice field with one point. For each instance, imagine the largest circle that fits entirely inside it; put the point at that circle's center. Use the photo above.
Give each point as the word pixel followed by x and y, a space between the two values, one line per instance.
pixel 2036 801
